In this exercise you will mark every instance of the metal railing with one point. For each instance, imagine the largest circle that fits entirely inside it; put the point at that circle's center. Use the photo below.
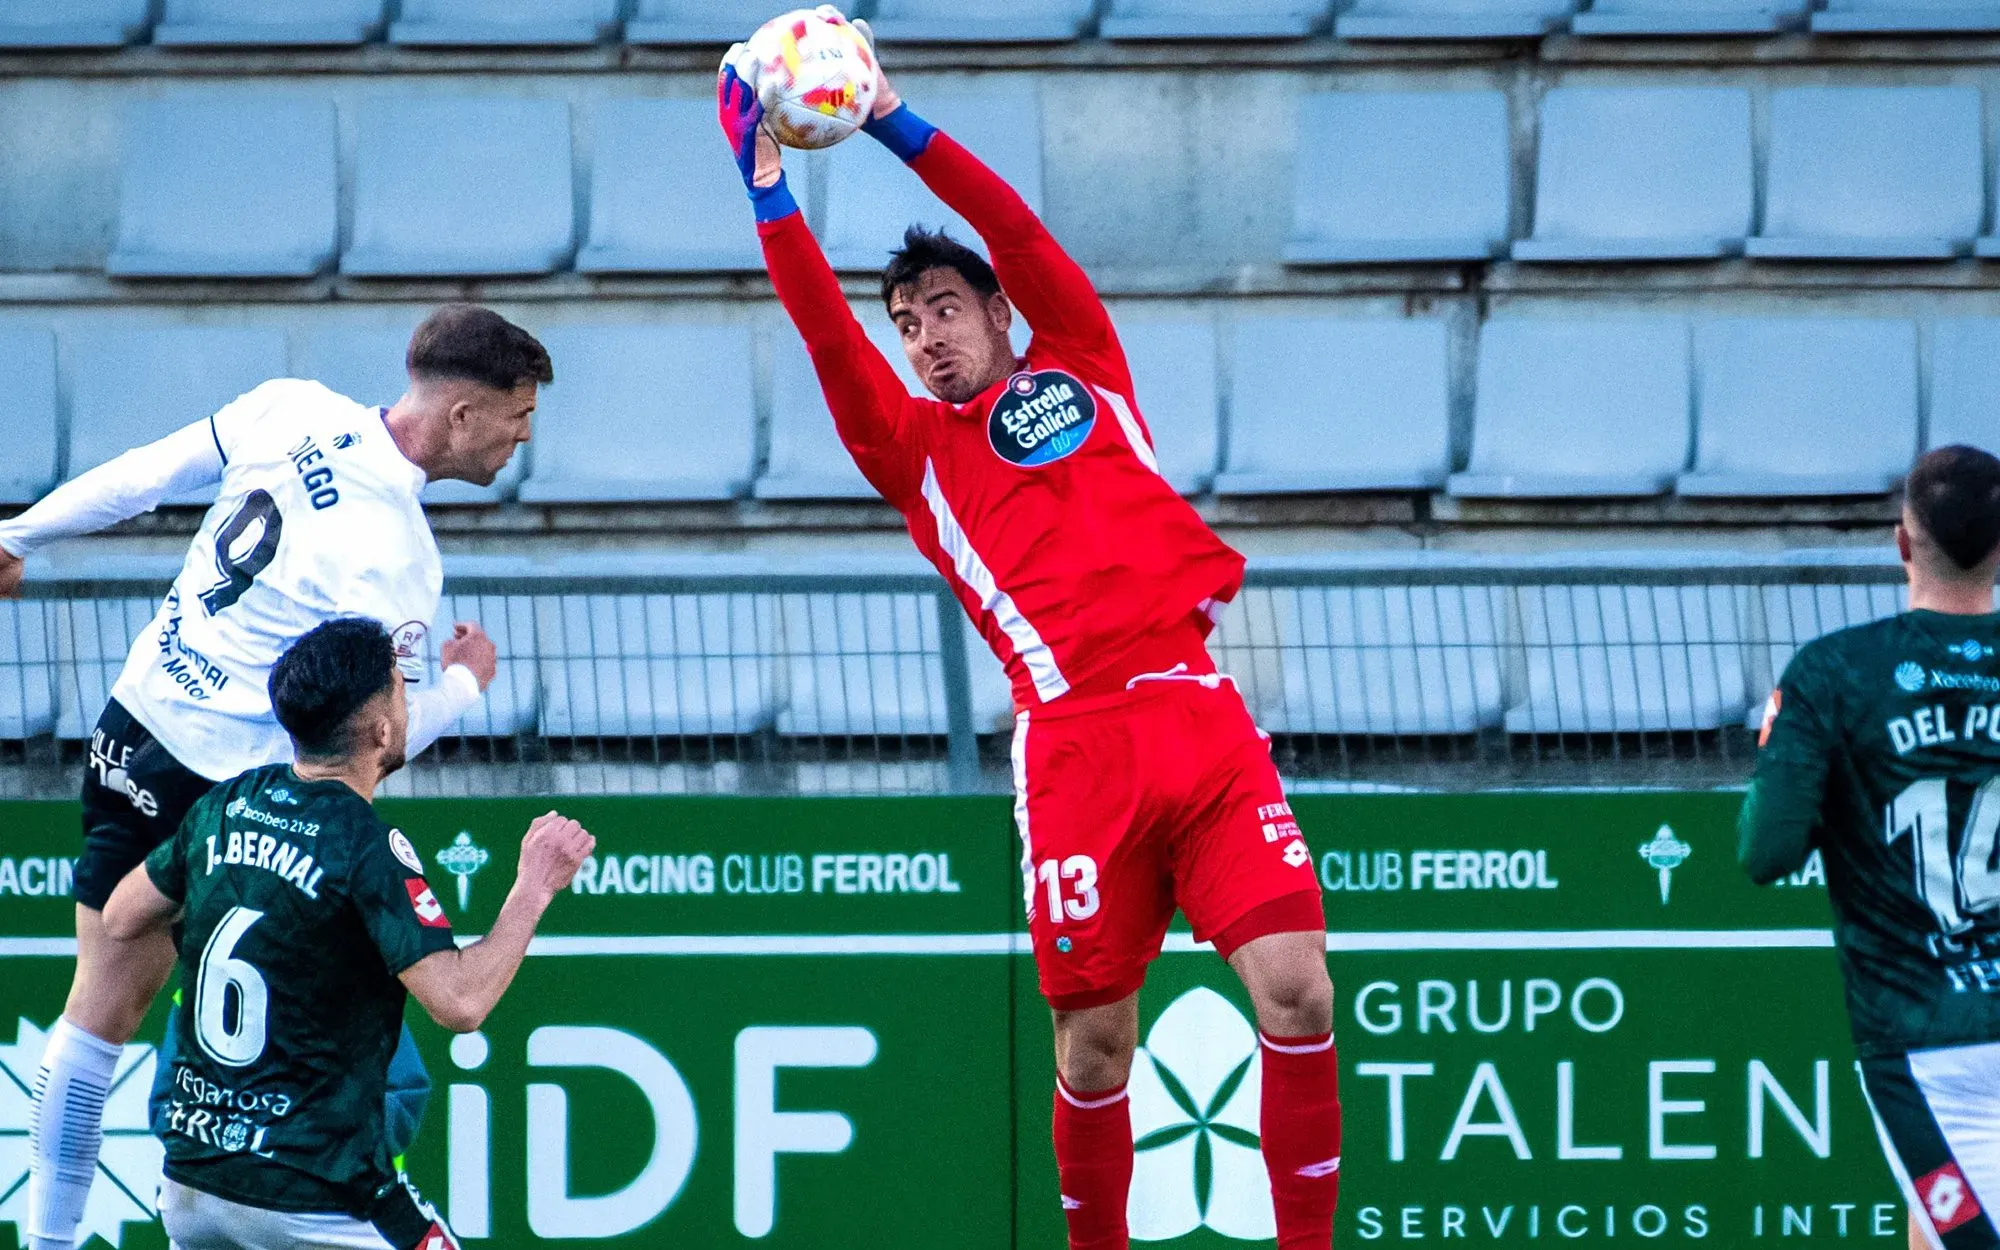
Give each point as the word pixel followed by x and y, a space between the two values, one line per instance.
pixel 1438 672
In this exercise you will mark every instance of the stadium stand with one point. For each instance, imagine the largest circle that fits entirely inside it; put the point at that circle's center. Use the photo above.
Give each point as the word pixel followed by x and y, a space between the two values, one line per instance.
pixel 979 21
pixel 268 23
pixel 1336 403
pixel 366 365
pixel 134 384
pixel 686 21
pixel 1642 173
pixel 1575 408
pixel 1905 17
pixel 74 24
pixel 1872 173
pixel 659 200
pixel 1965 383
pixel 1213 19
pixel 1399 176
pixel 430 23
pixel 1174 372
pixel 1452 19
pixel 1631 659
pixel 871 198
pixel 1803 406
pixel 512 704
pixel 243 187
pixel 860 665
pixel 461 186
pixel 28 418
pixel 645 412
pixel 92 639
pixel 1690 17
pixel 806 459
pixel 27 680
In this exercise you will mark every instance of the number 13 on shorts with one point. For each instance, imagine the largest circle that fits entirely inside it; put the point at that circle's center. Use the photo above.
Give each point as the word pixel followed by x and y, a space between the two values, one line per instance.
pixel 1071 886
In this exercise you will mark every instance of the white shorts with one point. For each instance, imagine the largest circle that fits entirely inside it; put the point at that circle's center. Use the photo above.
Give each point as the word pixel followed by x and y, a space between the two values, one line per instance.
pixel 1938 1115
pixel 198 1221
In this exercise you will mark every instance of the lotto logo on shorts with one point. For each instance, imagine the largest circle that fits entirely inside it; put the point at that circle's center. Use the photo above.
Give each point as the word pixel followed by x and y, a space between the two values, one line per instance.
pixel 429 910
pixel 1947 1198
pixel 434 1239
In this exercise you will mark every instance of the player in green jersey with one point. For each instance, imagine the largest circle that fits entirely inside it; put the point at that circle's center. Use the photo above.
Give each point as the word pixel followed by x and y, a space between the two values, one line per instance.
pixel 307 923
pixel 1882 753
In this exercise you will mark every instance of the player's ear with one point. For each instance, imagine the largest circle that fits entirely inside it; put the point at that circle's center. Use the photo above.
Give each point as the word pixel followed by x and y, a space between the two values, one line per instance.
pixel 1903 542
pixel 1000 311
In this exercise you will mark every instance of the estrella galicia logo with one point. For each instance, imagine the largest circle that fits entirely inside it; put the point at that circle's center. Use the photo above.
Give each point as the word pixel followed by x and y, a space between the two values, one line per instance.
pixel 1041 417
pixel 1910 676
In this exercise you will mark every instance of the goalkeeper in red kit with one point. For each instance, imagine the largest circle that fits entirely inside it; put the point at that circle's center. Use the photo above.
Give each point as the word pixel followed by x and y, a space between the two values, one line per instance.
pixel 1140 781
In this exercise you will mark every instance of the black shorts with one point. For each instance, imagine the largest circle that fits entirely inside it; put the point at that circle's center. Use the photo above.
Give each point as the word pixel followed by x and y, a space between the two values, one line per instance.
pixel 1938 1115
pixel 134 796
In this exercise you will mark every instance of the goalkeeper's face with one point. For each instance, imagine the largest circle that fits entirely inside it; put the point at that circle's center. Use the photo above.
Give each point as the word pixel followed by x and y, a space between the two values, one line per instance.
pixel 955 338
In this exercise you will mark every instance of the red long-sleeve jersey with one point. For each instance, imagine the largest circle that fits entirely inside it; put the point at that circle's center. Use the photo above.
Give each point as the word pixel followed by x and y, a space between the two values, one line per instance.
pixel 1040 501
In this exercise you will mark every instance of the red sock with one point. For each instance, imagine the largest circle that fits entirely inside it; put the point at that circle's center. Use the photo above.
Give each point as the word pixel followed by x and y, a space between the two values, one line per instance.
pixel 1301 1133
pixel 1094 1158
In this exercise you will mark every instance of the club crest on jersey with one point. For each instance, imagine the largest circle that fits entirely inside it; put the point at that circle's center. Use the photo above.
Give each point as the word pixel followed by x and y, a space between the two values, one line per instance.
pixel 1041 417
pixel 409 639
pixel 430 912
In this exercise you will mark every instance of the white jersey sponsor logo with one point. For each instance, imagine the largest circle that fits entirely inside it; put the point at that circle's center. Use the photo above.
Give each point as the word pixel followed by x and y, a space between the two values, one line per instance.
pixel 310 522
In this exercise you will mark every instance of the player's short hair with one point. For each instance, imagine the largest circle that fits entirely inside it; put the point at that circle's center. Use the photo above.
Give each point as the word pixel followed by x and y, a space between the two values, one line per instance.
pixel 324 679
pixel 1954 494
pixel 476 344
pixel 924 250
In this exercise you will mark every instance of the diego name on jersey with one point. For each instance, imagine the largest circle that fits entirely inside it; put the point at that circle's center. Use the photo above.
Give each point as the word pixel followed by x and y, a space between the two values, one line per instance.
pixel 317 516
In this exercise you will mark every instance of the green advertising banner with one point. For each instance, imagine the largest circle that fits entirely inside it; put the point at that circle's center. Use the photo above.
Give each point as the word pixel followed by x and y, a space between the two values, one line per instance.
pixel 813 1023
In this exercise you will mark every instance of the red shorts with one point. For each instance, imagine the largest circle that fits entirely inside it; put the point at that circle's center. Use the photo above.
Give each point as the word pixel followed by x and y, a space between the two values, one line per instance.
pixel 1131 803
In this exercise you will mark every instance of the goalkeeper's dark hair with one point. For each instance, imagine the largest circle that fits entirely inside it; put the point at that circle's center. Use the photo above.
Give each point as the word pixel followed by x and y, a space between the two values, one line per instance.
pixel 924 250
pixel 326 677
pixel 475 344
pixel 1954 495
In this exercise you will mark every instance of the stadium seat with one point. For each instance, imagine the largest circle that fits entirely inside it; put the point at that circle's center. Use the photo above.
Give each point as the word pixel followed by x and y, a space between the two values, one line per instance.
pixel 979 21
pixel 271 23
pixel 645 412
pixel 243 186
pixel 449 186
pixel 1214 19
pixel 1690 17
pixel 132 385
pixel 512 703
pixel 1578 408
pixel 1173 370
pixel 1400 176
pixel 719 22
pixel 92 639
pixel 1965 383
pixel 1901 17
pixel 1795 615
pixel 871 198
pixel 366 365
pixel 73 23
pixel 1335 403
pixel 27 671
pixel 1366 660
pixel 1452 19
pixel 860 665
pixel 28 417
pixel 1642 173
pixel 1803 406
pixel 1872 173
pixel 659 200
pixel 433 23
pixel 807 459
pixel 642 666
pixel 1631 659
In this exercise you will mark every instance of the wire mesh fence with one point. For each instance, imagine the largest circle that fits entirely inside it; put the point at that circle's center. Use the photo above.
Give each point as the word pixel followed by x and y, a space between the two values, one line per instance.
pixel 1460 675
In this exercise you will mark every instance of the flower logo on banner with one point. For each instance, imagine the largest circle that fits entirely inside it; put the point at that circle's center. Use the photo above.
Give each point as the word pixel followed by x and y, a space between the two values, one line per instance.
pixel 128 1170
pixel 1195 1091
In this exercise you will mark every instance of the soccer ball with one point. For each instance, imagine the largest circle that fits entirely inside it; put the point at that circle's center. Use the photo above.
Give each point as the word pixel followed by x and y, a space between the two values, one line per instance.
pixel 816 77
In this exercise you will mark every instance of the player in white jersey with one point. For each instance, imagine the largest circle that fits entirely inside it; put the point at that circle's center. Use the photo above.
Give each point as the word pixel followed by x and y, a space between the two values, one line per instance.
pixel 316 516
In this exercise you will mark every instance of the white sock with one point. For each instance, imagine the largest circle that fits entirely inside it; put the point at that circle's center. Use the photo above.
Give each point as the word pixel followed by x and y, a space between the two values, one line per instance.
pixel 67 1130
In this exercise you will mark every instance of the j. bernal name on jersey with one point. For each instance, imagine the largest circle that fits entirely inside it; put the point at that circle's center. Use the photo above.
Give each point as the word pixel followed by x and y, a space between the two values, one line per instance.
pixel 283 859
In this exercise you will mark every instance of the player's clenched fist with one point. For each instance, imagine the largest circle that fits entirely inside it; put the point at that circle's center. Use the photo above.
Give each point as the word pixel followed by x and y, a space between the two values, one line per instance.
pixel 554 848
pixel 469 645
pixel 10 574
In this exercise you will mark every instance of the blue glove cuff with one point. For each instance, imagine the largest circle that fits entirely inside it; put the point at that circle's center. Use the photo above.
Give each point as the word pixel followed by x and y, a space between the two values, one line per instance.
pixel 902 132
pixel 773 202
